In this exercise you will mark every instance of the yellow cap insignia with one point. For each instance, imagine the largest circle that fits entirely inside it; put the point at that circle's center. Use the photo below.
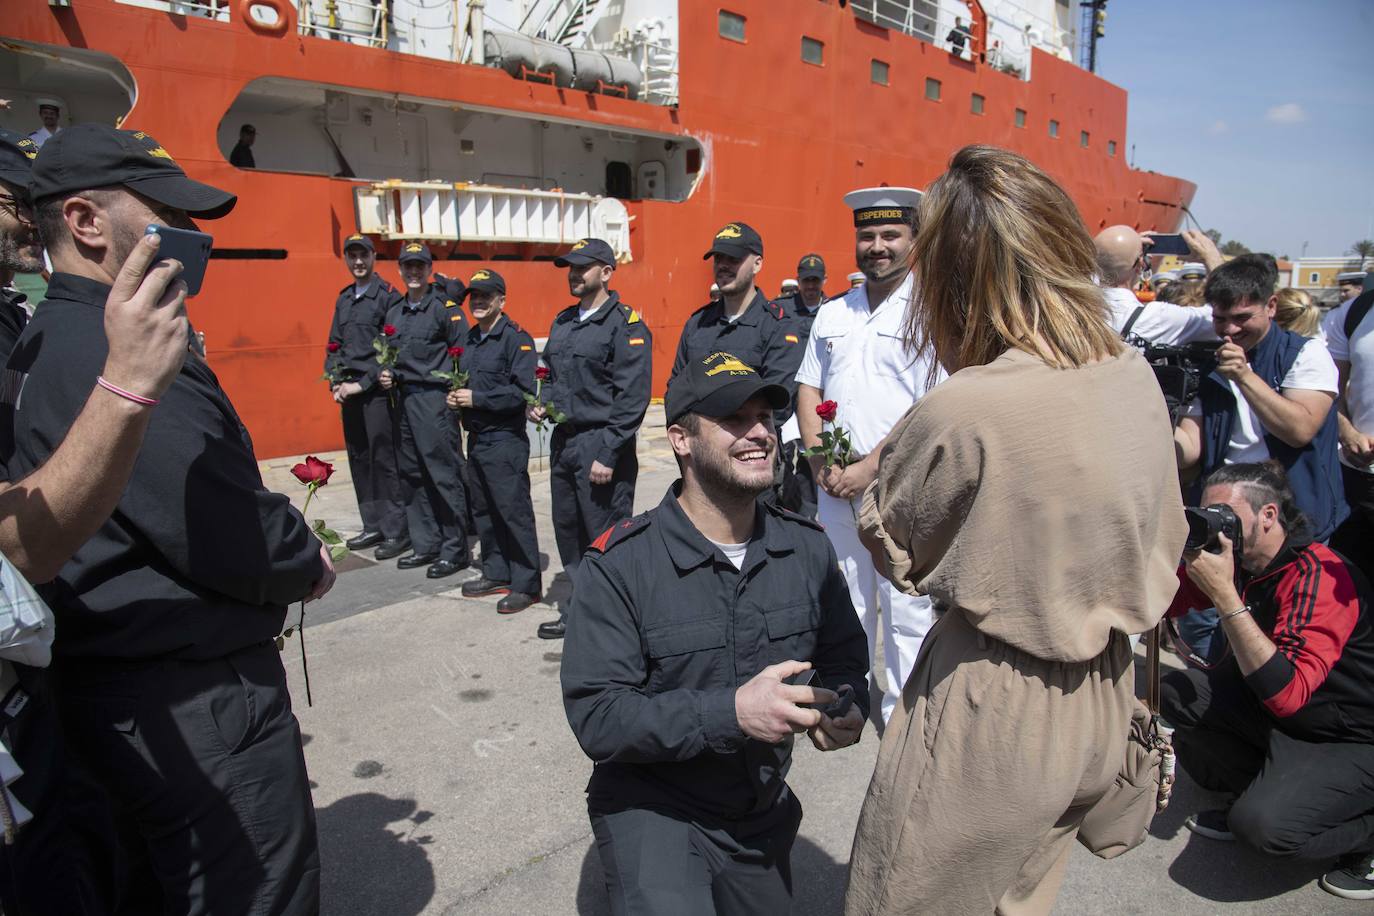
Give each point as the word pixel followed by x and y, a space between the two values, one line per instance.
pixel 481 275
pixel 415 247
pixel 356 237
pixel 28 148
pixel 581 243
pixel 813 262
pixel 728 363
pixel 161 153
pixel 790 338
pixel 731 231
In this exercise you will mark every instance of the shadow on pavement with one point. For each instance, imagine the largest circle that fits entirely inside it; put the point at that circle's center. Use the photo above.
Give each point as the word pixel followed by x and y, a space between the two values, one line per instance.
pixel 372 850
pixel 1223 872
pixel 817 882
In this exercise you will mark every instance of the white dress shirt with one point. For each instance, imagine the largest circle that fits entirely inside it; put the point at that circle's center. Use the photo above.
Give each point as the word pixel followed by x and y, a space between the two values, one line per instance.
pixel 1159 322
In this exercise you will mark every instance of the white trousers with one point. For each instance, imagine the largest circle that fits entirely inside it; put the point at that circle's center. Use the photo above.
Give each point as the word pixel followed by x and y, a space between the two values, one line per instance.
pixel 905 619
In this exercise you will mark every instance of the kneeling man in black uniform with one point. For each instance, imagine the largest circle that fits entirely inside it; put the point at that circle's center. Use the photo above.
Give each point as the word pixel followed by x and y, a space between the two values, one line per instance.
pixel 689 622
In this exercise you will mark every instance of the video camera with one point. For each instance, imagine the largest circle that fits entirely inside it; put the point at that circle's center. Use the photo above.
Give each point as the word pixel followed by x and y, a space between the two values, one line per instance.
pixel 1206 524
pixel 1179 370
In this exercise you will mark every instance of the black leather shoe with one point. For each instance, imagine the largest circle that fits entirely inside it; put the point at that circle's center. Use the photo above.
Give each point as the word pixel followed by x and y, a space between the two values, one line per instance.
pixel 440 568
pixel 515 602
pixel 553 629
pixel 392 547
pixel 482 586
pixel 416 560
pixel 366 539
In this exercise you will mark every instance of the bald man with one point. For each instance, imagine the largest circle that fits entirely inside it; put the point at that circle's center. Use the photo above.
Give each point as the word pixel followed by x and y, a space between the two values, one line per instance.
pixel 1120 259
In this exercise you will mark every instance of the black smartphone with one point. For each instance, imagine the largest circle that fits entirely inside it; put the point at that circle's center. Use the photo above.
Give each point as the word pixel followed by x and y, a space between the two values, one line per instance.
pixel 1168 244
pixel 189 247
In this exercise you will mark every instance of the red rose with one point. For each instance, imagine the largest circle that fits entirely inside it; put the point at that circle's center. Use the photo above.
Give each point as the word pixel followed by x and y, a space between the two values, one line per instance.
pixel 541 373
pixel 388 330
pixel 455 352
pixel 313 472
pixel 826 410
pixel 334 346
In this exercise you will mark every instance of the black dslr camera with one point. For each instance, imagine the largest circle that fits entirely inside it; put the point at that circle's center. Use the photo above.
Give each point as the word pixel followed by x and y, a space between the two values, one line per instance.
pixel 1179 370
pixel 1207 524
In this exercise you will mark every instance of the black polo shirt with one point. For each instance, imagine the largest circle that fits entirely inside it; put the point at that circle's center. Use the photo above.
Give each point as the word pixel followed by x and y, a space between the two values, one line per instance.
pixel 764 336
pixel 199 559
pixel 502 373
pixel 357 323
pixel 424 333
pixel 663 630
pixel 599 373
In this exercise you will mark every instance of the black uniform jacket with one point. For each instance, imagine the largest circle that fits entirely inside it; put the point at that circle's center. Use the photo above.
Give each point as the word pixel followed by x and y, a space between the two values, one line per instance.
pixel 198 559
pixel 662 632
pixel 424 333
pixel 13 318
pixel 502 372
pixel 357 322
pixel 764 336
pixel 599 372
pixel 802 316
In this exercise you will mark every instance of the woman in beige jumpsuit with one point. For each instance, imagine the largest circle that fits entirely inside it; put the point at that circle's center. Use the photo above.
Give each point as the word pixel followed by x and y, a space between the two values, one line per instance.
pixel 1033 495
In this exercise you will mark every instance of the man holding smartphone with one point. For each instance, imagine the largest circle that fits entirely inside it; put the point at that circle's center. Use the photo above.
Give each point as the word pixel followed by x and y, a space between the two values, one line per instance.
pixel 687 622
pixel 171 689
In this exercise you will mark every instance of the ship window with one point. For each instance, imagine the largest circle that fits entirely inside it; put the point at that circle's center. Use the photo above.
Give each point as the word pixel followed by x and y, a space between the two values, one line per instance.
pixel 878 72
pixel 813 51
pixel 1054 128
pixel 731 25
pixel 1111 147
pixel 932 89
pixel 977 104
pixel 1082 138
pixel 1020 117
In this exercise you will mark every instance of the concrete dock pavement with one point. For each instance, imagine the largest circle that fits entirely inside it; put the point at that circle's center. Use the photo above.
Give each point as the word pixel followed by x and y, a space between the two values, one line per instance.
pixel 446 779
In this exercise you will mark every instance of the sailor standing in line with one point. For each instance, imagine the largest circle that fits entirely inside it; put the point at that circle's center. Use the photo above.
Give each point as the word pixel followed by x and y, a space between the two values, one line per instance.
pixel 798 490
pixel 857 358
pixel 742 321
pixel 429 448
pixel 599 358
pixel 359 314
pixel 500 359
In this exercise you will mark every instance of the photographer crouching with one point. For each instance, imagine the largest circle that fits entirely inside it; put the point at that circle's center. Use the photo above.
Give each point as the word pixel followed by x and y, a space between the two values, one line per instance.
pixel 1282 721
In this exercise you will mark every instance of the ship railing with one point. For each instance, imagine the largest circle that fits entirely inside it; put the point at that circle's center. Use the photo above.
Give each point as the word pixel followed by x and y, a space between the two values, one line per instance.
pixel 657 60
pixel 466 212
pixel 356 21
pixel 208 9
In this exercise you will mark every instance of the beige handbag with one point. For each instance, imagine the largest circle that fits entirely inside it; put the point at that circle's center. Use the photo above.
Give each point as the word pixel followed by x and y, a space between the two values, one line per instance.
pixel 1121 819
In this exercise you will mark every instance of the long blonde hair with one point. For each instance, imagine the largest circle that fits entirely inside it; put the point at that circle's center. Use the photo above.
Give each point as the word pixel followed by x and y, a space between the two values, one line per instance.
pixel 1003 261
pixel 1296 312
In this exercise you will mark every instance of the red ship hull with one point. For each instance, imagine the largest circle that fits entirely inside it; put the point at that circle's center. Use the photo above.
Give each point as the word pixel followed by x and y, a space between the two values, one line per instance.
pixel 782 142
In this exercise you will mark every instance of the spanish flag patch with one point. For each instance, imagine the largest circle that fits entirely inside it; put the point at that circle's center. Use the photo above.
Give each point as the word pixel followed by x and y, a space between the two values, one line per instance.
pixel 790 338
pixel 636 341
pixel 526 347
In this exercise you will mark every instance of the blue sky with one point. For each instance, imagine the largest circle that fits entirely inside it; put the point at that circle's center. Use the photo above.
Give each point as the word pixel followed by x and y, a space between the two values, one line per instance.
pixel 1267 106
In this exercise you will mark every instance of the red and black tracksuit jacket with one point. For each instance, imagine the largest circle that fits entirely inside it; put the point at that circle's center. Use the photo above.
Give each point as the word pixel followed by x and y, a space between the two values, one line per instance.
pixel 1315 606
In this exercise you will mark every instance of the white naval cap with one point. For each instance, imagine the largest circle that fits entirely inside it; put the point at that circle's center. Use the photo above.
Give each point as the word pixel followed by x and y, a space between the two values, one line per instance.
pixel 1351 276
pixel 1165 276
pixel 856 277
pixel 1192 271
pixel 873 206
pixel 48 103
pixel 789 283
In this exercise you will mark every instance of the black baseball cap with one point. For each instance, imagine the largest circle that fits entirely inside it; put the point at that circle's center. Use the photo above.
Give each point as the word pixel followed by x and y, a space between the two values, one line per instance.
pixel 587 251
pixel 95 156
pixel 415 251
pixel 358 240
pixel 736 240
pixel 717 386
pixel 811 267
pixel 17 153
pixel 486 281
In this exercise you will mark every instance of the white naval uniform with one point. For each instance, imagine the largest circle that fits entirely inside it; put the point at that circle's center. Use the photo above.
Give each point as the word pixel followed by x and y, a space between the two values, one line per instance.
pixel 42 135
pixel 857 359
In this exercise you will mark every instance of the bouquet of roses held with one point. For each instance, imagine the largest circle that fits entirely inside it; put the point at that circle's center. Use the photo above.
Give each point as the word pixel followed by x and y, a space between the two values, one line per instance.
pixel 834 447
pixel 334 368
pixel 314 473
pixel 458 378
pixel 387 354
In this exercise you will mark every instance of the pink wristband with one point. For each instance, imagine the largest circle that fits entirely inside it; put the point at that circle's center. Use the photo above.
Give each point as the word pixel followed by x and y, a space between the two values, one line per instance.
pixel 126 395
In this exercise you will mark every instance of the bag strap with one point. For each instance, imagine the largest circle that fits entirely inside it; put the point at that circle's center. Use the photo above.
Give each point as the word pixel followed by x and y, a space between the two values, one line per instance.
pixel 1358 310
pixel 1130 322
pixel 1152 669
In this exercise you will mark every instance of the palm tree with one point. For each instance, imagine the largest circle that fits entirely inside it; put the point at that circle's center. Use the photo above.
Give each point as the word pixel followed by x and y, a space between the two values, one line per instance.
pixel 1364 248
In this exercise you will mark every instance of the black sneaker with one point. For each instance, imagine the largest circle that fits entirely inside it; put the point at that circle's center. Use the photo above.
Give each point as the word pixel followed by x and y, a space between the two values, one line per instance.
pixel 1352 878
pixel 1212 824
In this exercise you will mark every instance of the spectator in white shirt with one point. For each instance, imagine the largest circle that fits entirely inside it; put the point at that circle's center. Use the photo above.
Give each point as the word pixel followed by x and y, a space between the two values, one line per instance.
pixel 1350 337
pixel 1121 256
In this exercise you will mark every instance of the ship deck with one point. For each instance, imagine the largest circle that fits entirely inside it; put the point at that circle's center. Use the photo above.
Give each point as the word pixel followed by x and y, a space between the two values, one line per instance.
pixel 446 779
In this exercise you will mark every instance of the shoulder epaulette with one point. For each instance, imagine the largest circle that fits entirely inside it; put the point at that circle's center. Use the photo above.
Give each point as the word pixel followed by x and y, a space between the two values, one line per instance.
pixel 791 516
pixel 619 532
pixel 631 316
